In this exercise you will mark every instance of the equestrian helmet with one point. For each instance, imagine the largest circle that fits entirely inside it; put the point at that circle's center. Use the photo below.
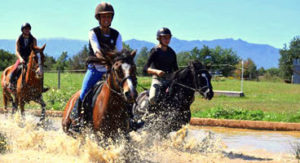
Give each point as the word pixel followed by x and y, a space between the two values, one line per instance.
pixel 163 31
pixel 25 25
pixel 104 8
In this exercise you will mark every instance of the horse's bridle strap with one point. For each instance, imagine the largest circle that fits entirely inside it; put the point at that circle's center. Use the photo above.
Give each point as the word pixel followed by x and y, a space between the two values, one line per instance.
pixel 191 88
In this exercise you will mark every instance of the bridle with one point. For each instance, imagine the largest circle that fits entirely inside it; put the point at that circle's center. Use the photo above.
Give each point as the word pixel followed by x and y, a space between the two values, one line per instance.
pixel 195 81
pixel 119 81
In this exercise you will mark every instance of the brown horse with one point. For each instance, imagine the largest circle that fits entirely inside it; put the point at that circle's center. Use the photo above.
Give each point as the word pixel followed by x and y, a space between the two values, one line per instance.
pixel 29 85
pixel 119 89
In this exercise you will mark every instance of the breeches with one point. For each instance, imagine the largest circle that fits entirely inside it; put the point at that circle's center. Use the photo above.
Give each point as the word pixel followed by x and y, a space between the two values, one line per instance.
pixel 92 76
pixel 155 89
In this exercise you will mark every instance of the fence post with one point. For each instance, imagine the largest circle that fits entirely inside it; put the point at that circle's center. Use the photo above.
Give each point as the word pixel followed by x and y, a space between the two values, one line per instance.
pixel 242 76
pixel 58 79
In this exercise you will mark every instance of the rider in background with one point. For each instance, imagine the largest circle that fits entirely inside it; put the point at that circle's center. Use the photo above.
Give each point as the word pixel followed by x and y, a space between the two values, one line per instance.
pixel 101 36
pixel 24 44
pixel 162 61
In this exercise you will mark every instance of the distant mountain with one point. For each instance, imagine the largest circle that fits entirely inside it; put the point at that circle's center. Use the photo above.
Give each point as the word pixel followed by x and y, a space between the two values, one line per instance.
pixel 54 46
pixel 263 55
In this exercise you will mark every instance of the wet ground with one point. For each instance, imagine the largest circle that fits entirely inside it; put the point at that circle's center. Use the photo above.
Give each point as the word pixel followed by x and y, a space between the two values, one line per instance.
pixel 28 143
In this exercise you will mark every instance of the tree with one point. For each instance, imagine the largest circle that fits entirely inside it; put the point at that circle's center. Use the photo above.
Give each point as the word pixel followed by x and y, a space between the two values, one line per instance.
pixel 287 57
pixel 126 46
pixel 250 69
pixel 273 71
pixel 61 62
pixel 261 71
pixel 183 58
pixel 7 59
pixel 49 63
pixel 78 61
pixel 142 59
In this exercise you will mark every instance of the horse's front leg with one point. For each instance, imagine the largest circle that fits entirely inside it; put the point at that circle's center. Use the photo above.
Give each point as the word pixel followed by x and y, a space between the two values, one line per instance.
pixel 5 102
pixel 14 104
pixel 22 105
pixel 43 106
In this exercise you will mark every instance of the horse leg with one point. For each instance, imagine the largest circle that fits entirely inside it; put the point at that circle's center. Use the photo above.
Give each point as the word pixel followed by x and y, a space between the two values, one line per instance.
pixel 43 105
pixel 14 105
pixel 22 105
pixel 5 103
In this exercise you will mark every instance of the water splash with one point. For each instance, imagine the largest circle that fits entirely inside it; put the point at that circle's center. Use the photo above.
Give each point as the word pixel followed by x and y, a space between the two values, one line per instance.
pixel 29 143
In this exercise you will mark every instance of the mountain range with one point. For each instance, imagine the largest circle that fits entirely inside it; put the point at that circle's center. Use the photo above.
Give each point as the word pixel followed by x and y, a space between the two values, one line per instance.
pixel 263 55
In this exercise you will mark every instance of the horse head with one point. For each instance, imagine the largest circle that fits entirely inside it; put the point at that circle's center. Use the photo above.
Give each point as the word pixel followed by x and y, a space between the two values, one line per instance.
pixel 201 79
pixel 36 61
pixel 123 69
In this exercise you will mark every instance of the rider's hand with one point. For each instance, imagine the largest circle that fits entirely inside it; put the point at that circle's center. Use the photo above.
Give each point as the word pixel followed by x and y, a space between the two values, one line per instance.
pixel 160 73
pixel 22 60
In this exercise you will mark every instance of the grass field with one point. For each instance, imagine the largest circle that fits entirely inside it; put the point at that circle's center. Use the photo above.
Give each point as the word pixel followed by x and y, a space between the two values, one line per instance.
pixel 270 101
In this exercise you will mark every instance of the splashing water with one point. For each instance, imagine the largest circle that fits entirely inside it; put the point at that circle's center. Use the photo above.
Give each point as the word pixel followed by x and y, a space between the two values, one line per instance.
pixel 29 143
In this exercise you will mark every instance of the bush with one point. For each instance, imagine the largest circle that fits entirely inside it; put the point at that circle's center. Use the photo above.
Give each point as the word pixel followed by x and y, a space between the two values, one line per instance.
pixel 220 112
pixel 56 99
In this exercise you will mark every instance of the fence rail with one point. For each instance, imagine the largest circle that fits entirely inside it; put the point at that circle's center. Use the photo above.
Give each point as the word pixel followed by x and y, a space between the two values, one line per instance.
pixel 139 70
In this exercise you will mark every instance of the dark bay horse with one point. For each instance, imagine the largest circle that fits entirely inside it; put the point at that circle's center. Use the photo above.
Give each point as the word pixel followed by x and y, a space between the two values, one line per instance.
pixel 173 108
pixel 29 85
pixel 110 114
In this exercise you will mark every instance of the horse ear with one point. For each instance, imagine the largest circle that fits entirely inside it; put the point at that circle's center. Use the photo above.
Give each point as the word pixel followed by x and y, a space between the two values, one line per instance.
pixel 43 47
pixel 39 49
pixel 133 53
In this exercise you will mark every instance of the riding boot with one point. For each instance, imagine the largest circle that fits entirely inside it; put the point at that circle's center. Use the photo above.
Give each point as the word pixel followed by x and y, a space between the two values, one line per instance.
pixel 76 115
pixel 12 80
pixel 81 115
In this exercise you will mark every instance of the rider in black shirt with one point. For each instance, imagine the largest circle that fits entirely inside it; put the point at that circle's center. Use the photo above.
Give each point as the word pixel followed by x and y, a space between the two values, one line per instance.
pixel 162 61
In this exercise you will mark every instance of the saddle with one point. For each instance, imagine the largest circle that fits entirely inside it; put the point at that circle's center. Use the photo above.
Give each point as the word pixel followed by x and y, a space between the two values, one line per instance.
pixel 88 102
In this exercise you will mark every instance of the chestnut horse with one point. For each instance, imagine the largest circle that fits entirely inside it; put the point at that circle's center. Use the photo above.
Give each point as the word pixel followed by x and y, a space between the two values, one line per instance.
pixel 110 114
pixel 29 85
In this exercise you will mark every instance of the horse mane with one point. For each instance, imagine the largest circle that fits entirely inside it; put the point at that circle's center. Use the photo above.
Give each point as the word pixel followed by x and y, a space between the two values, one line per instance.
pixel 111 55
pixel 181 73
pixel 124 54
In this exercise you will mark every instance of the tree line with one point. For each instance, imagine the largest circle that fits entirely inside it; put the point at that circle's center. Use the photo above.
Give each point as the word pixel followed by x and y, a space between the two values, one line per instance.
pixel 220 61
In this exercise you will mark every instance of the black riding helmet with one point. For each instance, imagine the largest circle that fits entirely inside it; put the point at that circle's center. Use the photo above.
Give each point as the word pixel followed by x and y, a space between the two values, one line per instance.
pixel 104 8
pixel 25 25
pixel 162 32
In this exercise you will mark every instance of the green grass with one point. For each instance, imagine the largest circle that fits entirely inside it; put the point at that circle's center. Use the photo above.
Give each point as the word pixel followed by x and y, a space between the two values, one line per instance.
pixel 269 101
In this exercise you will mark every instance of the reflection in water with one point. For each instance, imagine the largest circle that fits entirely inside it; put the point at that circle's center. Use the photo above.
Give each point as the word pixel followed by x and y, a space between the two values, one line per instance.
pixel 27 143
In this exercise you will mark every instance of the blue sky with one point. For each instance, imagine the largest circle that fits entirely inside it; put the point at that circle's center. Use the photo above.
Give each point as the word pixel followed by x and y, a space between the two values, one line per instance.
pixel 273 22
